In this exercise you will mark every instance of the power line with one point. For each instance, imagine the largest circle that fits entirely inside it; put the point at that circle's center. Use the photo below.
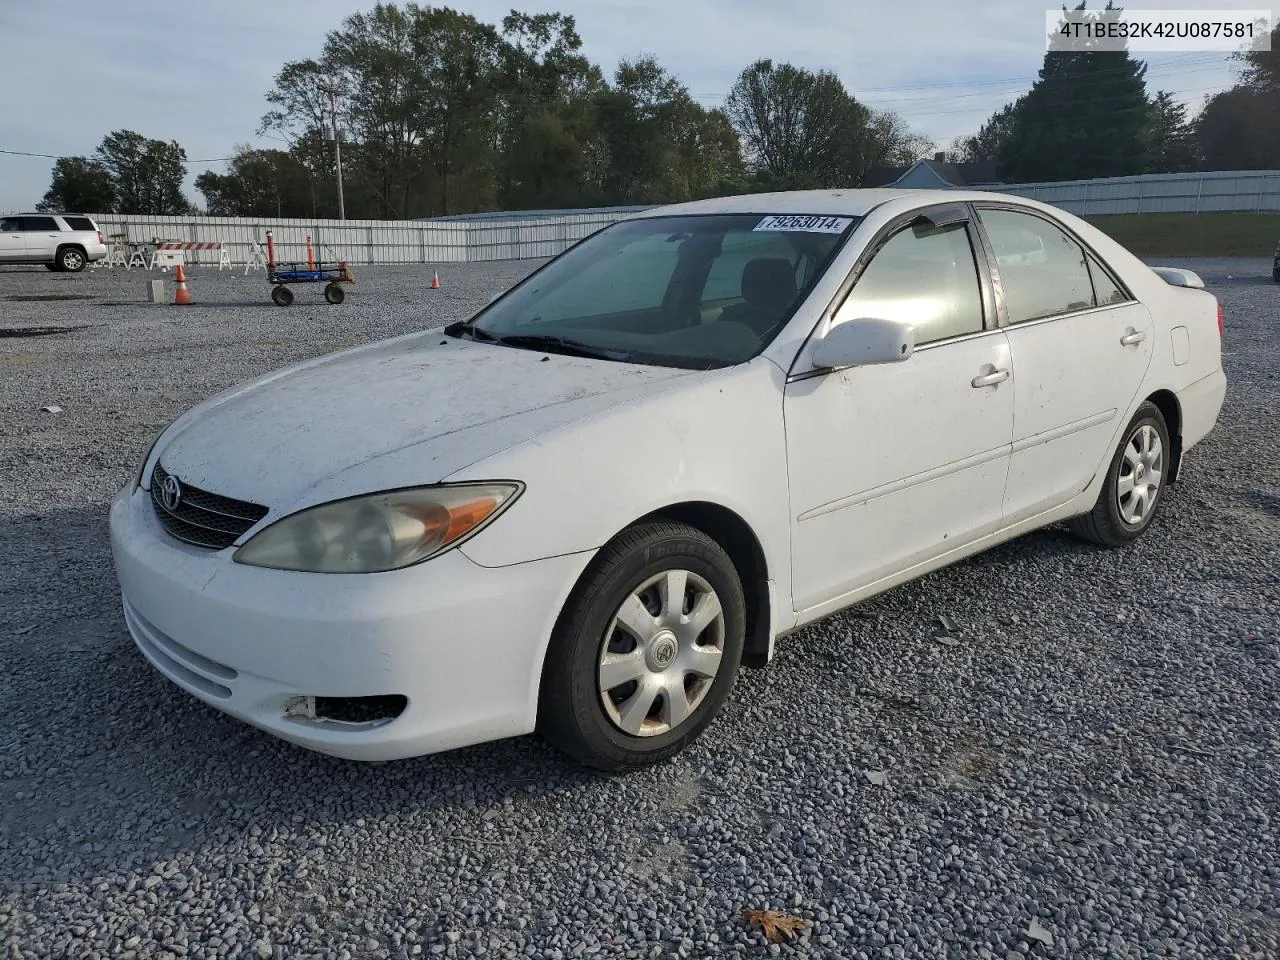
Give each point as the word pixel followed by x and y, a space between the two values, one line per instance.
pixel 59 156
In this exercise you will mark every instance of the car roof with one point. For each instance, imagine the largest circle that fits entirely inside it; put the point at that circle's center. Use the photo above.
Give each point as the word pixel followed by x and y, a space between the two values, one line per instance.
pixel 844 203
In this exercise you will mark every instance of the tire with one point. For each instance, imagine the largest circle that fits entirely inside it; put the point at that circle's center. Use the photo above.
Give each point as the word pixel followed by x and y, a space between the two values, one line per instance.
pixel 281 295
pixel 1121 516
pixel 71 259
pixel 334 293
pixel 635 722
pixel 53 268
pixel 1275 274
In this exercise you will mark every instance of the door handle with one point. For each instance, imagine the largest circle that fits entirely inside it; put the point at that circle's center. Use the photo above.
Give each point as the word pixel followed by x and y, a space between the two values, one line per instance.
pixel 990 379
pixel 1132 337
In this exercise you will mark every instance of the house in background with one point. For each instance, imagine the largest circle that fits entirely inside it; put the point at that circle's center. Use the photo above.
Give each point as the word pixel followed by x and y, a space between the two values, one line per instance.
pixel 934 174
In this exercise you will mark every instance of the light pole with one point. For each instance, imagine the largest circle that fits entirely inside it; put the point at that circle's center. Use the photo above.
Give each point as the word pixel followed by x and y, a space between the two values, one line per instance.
pixel 332 90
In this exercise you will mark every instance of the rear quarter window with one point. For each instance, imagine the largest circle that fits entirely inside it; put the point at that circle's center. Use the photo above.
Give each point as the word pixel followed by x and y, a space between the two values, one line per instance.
pixel 80 223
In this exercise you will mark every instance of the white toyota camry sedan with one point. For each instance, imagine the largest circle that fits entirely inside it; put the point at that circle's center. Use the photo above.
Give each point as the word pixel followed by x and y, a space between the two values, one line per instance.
pixel 699 429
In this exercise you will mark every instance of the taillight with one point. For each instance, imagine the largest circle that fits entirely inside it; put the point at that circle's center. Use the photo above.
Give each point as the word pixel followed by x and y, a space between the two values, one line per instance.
pixel 102 240
pixel 1221 318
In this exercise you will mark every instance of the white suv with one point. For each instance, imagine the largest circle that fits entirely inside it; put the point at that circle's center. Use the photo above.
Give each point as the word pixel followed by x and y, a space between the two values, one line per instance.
pixel 64 241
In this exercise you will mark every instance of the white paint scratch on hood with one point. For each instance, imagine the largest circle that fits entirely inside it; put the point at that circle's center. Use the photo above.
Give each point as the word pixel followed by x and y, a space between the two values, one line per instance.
pixel 437 403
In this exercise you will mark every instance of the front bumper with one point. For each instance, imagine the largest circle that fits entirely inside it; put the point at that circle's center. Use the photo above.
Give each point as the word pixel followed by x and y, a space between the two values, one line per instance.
pixel 463 643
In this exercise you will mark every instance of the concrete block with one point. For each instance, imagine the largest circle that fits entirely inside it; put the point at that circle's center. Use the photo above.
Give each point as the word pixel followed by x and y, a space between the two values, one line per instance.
pixel 155 291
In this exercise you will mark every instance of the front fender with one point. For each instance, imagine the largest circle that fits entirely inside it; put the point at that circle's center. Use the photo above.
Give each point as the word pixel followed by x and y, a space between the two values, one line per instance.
pixel 718 440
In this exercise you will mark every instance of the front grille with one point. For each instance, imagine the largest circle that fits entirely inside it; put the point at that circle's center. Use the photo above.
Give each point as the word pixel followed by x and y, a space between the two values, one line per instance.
pixel 202 518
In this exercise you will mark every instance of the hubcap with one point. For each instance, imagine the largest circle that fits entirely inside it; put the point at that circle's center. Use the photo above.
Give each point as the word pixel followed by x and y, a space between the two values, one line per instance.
pixel 661 653
pixel 1141 473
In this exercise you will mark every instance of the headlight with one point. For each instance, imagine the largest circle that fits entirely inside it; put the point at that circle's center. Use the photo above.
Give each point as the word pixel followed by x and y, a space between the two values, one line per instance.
pixel 380 531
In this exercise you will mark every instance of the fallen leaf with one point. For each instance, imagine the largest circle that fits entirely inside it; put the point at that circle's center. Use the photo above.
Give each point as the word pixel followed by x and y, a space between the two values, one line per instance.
pixel 947 641
pixel 774 925
pixel 948 624
pixel 52 408
pixel 876 777
pixel 1037 932
pixel 25 630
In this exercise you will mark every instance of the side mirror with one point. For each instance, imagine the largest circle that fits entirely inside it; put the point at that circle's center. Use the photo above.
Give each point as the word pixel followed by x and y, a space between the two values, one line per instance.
pixel 865 341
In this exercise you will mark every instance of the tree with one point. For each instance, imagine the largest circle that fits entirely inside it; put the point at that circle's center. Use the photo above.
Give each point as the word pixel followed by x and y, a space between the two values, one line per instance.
pixel 79 184
pixel 1170 142
pixel 147 174
pixel 793 123
pixel 259 183
pixel 803 129
pixel 1239 128
pixel 1086 116
pixel 991 140
pixel 656 144
pixel 546 117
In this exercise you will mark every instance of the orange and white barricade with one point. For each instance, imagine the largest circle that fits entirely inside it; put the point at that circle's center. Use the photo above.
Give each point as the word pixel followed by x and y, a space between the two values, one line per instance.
pixel 173 254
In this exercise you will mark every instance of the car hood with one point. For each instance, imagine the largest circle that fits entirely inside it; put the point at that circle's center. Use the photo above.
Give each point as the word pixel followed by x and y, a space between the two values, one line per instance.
pixel 405 412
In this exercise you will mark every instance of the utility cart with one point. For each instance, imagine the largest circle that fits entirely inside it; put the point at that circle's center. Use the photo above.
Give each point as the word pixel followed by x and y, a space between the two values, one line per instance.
pixel 280 275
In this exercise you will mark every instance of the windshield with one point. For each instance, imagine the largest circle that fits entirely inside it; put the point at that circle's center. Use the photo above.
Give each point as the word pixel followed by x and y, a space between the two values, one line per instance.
pixel 683 291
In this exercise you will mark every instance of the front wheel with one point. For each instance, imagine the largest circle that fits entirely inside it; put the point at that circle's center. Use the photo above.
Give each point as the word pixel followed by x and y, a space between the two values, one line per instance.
pixel 334 293
pixel 646 650
pixel 1135 483
pixel 281 295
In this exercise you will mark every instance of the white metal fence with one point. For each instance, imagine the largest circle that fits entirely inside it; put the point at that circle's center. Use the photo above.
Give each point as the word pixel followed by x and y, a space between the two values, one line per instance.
pixel 1239 191
pixel 517 236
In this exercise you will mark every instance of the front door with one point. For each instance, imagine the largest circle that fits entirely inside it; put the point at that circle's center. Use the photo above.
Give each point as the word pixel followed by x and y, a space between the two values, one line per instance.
pixel 1080 346
pixel 13 242
pixel 893 465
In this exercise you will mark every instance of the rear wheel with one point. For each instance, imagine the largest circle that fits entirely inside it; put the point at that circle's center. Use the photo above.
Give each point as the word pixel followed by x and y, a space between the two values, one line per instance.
pixel 71 259
pixel 282 295
pixel 1135 483
pixel 334 293
pixel 646 650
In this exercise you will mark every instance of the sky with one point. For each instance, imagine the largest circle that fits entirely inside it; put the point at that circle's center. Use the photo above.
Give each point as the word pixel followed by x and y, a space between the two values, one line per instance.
pixel 197 72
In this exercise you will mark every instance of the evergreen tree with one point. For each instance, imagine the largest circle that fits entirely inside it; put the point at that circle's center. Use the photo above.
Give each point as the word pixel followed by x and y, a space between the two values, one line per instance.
pixel 1170 144
pixel 1086 116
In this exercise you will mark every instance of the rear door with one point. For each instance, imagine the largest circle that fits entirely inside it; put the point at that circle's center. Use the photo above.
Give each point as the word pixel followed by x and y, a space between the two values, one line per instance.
pixel 42 237
pixel 13 242
pixel 1080 346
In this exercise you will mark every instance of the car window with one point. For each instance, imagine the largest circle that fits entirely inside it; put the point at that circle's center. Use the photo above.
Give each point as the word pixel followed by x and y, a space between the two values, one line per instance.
pixel 1104 288
pixel 924 275
pixel 80 223
pixel 1042 270
pixel 698 291
pixel 10 225
pixel 41 224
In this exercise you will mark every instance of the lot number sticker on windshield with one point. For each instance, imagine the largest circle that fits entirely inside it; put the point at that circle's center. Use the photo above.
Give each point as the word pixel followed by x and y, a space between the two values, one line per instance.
pixel 805 224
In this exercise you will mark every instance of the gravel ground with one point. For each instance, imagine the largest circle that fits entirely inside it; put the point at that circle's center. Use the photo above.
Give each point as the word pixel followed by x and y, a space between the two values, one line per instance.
pixel 1091 771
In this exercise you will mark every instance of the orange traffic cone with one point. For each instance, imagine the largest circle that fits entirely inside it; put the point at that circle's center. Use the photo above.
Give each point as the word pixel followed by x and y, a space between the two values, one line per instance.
pixel 181 296
pixel 435 280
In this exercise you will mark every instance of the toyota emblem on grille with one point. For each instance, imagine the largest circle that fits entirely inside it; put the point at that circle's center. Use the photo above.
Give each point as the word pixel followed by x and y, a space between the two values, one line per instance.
pixel 170 493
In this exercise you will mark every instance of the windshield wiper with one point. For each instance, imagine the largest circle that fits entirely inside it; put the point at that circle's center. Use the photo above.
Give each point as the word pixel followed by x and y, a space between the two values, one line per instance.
pixel 564 345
